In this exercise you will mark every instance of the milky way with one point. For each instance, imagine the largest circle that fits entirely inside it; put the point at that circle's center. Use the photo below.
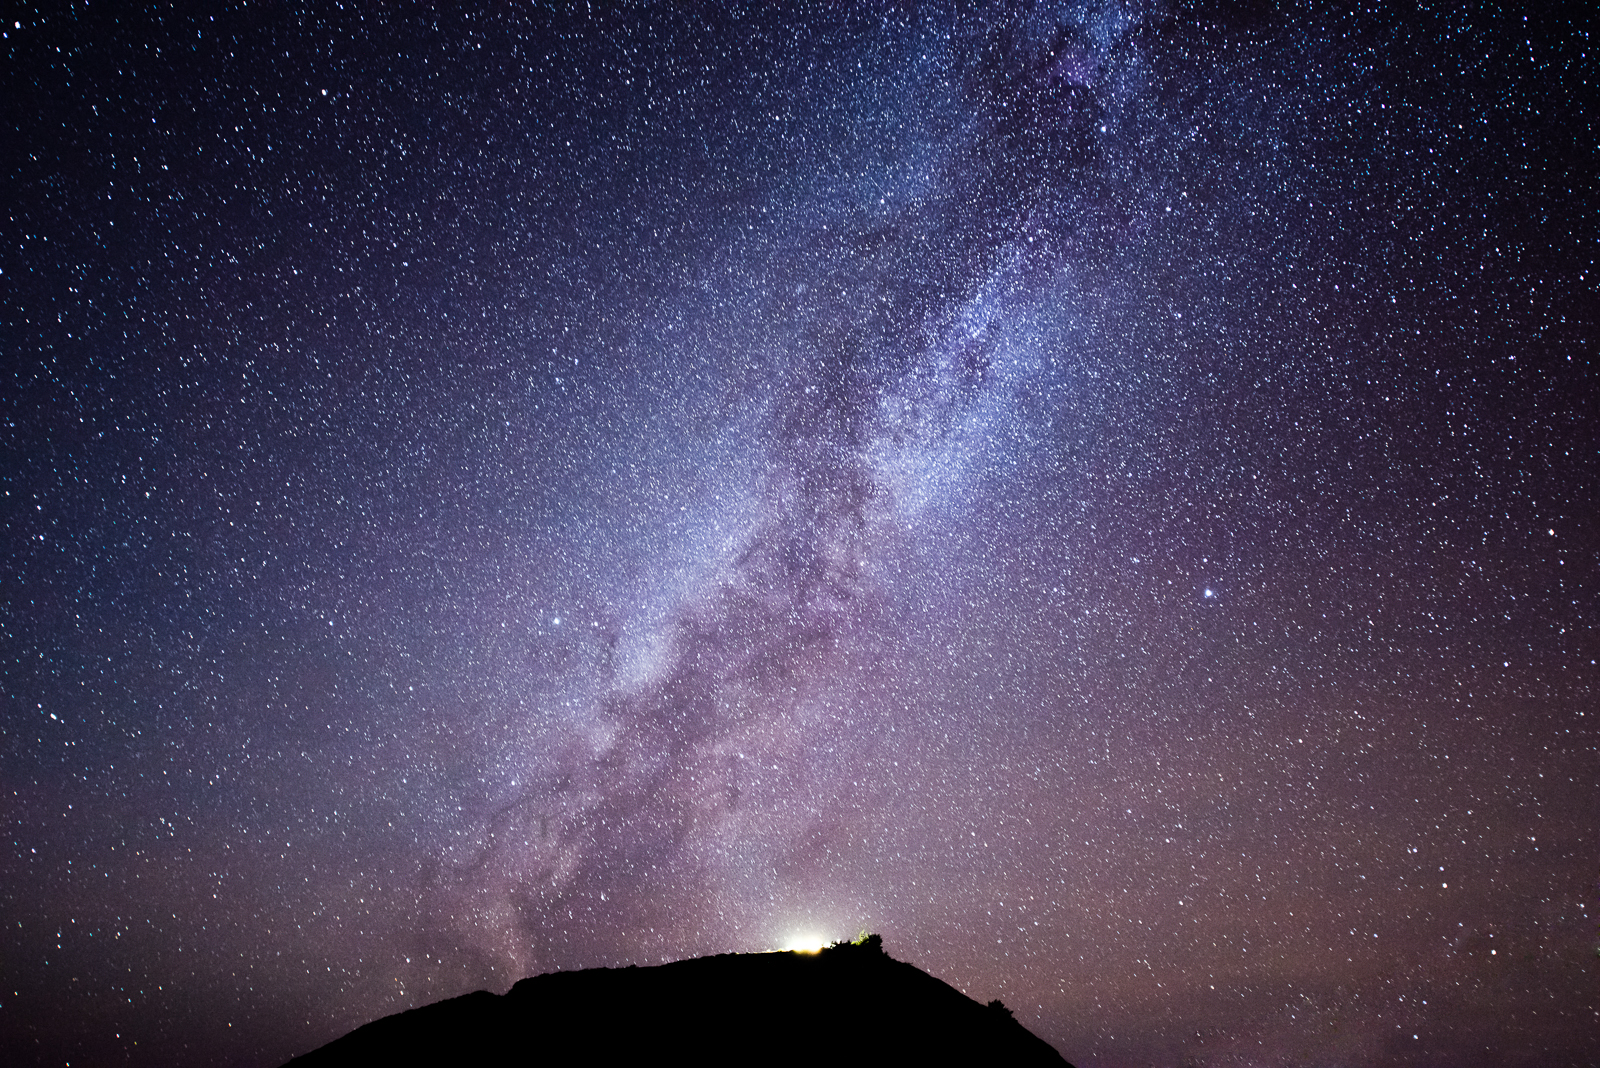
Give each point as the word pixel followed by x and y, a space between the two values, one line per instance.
pixel 1101 494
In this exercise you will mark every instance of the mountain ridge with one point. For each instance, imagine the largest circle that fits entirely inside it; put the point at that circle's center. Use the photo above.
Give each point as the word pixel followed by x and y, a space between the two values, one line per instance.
pixel 850 1003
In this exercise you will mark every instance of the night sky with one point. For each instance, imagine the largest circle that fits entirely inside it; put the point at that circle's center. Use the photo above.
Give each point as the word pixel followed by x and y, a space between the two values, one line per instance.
pixel 1105 495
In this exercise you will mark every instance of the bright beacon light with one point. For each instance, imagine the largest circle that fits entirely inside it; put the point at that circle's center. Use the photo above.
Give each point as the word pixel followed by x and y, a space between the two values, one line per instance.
pixel 805 943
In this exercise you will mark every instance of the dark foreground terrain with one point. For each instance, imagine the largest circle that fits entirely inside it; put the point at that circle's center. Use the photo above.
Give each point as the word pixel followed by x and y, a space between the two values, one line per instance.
pixel 848 1004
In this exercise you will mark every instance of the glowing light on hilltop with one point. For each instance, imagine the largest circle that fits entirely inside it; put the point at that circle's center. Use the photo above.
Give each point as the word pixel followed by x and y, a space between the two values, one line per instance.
pixel 805 943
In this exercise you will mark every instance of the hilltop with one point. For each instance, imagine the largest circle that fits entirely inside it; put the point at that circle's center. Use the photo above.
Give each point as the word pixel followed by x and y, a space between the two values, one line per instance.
pixel 848 1004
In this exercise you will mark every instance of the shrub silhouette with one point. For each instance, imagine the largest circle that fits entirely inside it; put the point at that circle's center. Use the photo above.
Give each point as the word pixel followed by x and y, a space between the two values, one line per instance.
pixel 863 942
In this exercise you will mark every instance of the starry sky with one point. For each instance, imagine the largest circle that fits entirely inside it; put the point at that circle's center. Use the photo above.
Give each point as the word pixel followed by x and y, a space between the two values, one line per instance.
pixel 1103 494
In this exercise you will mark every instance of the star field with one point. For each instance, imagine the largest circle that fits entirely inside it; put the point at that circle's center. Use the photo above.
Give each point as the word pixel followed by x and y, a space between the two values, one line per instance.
pixel 1102 494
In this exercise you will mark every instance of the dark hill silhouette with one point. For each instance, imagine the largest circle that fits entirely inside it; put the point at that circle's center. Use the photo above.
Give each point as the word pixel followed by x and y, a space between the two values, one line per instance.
pixel 848 1004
